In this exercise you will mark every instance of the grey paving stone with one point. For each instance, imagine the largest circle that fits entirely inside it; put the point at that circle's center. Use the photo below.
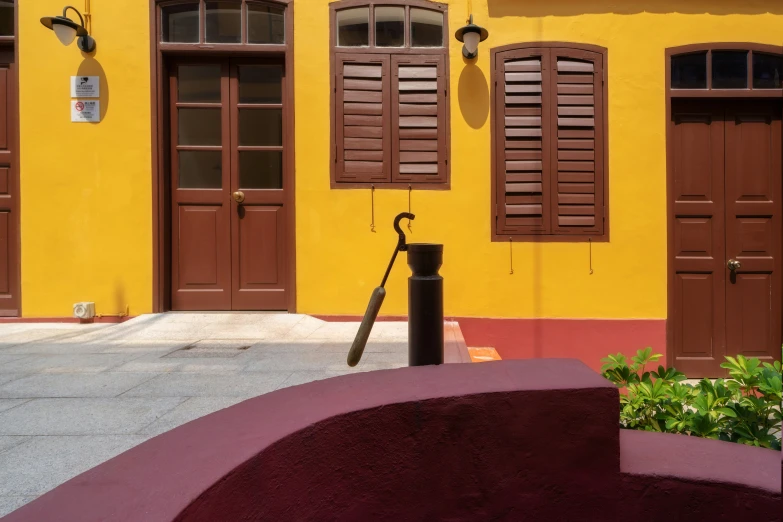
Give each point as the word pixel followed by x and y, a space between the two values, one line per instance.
pixel 212 349
pixel 6 356
pixel 8 377
pixel 303 361
pixel 85 416
pixel 213 384
pixel 143 347
pixel 94 362
pixel 73 385
pixel 153 363
pixel 7 442
pixel 43 463
pixel 7 404
pixel 9 504
pixel 53 347
pixel 297 378
pixel 191 409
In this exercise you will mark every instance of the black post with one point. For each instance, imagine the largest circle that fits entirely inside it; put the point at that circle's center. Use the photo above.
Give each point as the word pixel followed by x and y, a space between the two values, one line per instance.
pixel 425 305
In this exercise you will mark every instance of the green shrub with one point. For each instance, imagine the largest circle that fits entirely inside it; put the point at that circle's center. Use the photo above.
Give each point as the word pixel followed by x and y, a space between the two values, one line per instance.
pixel 744 408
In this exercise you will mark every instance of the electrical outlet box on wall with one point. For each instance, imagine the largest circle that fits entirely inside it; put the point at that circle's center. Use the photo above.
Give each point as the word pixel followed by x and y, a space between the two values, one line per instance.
pixel 84 310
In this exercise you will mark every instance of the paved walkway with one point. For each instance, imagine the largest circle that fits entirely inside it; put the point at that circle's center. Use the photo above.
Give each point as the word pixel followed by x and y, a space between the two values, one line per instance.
pixel 73 396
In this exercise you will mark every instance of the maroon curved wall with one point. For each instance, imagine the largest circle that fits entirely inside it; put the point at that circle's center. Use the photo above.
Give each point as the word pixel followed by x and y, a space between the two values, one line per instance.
pixel 510 440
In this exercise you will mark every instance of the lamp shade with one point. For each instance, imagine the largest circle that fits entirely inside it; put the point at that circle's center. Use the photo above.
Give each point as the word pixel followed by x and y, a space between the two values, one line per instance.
pixel 471 41
pixel 65 33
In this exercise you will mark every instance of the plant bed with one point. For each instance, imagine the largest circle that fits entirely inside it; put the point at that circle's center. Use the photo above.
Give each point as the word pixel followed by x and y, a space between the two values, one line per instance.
pixel 744 408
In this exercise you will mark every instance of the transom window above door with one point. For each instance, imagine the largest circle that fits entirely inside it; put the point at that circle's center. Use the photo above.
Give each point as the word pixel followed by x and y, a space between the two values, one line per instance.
pixel 405 25
pixel 726 68
pixel 234 22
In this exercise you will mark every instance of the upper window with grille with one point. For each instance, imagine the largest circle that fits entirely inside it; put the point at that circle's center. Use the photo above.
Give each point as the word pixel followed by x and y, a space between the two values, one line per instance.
pixel 549 135
pixel 390 115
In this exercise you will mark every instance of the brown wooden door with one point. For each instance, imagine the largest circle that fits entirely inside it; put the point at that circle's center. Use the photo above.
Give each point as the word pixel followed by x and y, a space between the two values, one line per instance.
pixel 228 127
pixel 9 217
pixel 726 164
pixel 754 167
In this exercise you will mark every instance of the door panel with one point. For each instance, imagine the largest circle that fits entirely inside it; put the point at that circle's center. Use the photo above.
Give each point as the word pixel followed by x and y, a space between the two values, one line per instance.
pixel 9 218
pixel 258 136
pixel 200 170
pixel 753 228
pixel 699 298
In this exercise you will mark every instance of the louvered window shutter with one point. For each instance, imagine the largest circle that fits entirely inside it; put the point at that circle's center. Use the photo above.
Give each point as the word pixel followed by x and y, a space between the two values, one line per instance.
pixel 362 133
pixel 522 140
pixel 577 195
pixel 419 121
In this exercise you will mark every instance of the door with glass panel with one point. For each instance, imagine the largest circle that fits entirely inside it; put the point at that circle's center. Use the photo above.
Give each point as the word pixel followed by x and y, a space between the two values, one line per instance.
pixel 228 128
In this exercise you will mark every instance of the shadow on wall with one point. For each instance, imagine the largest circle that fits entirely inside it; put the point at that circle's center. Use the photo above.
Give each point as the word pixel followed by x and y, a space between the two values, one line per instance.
pixel 499 8
pixel 473 95
pixel 92 67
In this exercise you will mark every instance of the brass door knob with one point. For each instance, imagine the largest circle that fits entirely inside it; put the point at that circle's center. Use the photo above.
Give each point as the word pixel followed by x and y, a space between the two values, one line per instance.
pixel 239 196
pixel 734 265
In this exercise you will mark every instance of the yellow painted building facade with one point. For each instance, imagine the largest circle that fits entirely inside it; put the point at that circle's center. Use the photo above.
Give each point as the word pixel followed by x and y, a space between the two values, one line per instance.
pixel 86 189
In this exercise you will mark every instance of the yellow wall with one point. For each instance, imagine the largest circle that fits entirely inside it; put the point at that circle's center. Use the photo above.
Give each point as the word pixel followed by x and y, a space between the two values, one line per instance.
pixel 86 189
pixel 340 260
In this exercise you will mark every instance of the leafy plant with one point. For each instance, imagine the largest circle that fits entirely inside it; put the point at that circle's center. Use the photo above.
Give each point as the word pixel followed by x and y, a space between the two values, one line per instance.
pixel 745 408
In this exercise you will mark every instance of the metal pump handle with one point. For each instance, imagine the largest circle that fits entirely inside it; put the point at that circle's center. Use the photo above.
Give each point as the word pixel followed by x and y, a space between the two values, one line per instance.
pixel 378 295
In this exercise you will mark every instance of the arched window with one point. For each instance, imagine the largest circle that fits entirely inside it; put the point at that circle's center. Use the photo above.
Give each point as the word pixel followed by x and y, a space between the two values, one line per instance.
pixel 390 114
pixel 549 142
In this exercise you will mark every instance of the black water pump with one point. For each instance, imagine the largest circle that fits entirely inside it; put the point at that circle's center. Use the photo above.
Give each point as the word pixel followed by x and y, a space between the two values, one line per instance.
pixel 425 302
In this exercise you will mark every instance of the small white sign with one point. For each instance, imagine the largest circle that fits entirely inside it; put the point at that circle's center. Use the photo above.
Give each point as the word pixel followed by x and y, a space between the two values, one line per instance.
pixel 85 87
pixel 85 111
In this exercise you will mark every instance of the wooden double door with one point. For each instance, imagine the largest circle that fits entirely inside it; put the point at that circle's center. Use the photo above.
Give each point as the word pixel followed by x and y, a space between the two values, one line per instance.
pixel 9 189
pixel 229 124
pixel 726 234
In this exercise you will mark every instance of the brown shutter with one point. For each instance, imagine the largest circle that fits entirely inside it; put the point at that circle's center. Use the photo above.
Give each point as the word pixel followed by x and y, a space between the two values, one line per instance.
pixel 362 140
pixel 419 123
pixel 577 195
pixel 522 141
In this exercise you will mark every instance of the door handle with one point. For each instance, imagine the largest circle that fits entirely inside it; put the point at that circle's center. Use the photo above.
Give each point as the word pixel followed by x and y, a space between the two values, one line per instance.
pixel 733 265
pixel 238 196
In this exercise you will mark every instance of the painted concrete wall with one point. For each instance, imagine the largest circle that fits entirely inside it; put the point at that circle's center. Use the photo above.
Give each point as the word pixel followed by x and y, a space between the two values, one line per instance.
pixel 86 189
pixel 340 260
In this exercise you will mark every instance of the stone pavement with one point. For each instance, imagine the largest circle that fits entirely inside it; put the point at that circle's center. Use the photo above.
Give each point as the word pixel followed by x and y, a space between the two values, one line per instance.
pixel 73 396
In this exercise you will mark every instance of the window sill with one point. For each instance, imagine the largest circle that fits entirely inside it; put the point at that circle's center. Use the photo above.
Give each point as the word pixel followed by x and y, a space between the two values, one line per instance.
pixel 549 238
pixel 391 186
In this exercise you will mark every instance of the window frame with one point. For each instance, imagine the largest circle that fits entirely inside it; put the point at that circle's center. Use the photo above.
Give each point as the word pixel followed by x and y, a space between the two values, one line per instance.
pixel 335 50
pixel 709 92
pixel 551 237
pixel 243 45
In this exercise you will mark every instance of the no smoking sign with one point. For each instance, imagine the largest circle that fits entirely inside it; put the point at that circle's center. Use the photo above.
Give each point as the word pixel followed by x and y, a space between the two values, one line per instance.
pixel 85 111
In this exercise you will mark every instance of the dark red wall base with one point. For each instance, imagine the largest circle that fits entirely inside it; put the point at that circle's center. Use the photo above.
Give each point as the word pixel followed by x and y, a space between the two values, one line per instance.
pixel 588 340
pixel 534 440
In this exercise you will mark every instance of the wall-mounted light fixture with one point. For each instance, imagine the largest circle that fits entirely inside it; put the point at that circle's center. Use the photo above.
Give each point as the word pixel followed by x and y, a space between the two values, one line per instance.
pixel 471 35
pixel 67 30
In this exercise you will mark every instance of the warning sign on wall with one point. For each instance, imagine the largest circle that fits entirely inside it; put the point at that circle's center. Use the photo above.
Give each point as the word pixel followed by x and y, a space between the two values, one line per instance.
pixel 85 87
pixel 85 111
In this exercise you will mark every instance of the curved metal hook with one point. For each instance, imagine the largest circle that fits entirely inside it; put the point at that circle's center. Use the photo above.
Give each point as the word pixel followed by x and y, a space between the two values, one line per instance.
pixel 401 244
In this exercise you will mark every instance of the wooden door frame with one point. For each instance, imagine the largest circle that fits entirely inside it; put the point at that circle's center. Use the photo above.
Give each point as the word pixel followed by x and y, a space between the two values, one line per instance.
pixel 15 241
pixel 749 93
pixel 161 204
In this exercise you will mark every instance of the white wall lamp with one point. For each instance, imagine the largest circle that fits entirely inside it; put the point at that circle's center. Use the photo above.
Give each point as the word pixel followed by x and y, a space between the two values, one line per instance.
pixel 67 30
pixel 471 35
